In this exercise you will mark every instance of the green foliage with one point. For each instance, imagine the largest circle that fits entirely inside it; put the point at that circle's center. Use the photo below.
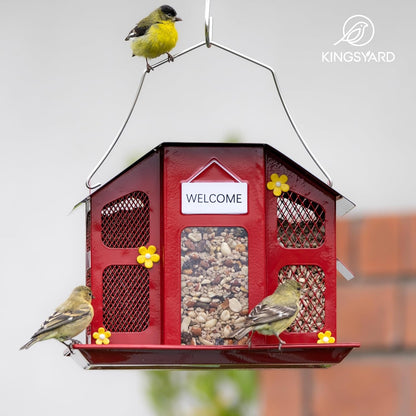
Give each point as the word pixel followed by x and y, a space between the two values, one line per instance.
pixel 203 393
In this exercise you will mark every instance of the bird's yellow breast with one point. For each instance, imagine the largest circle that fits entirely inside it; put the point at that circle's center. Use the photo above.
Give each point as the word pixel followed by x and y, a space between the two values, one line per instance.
pixel 159 39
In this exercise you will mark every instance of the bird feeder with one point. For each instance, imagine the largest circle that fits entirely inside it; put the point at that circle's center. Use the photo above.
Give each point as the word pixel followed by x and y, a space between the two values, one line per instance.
pixel 186 241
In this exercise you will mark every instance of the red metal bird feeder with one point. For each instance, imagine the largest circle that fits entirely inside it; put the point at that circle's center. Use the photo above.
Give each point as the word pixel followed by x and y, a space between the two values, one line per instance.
pixel 187 240
pixel 229 223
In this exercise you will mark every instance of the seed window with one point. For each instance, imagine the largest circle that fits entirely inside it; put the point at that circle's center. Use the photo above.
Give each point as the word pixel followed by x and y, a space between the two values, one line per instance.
pixel 214 282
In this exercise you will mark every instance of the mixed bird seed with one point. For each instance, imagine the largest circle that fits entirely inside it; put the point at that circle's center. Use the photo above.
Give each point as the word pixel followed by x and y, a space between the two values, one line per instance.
pixel 214 283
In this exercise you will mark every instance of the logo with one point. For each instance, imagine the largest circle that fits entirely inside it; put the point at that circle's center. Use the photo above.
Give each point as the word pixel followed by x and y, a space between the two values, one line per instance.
pixel 358 30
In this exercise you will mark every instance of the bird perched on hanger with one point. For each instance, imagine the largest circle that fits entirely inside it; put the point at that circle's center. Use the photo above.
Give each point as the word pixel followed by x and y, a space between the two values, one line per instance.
pixel 155 34
pixel 68 320
pixel 273 314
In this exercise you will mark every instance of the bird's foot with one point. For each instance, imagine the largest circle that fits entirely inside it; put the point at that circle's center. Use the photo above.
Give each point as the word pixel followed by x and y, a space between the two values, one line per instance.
pixel 249 340
pixel 69 350
pixel 281 342
pixel 148 66
pixel 170 57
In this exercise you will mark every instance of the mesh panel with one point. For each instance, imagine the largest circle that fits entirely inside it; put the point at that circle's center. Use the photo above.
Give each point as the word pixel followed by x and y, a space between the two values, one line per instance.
pixel 300 222
pixel 88 229
pixel 126 298
pixel 311 317
pixel 125 222
pixel 88 274
pixel 88 283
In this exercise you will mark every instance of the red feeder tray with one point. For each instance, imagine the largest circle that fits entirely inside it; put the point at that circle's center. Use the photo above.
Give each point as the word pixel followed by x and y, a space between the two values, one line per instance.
pixel 118 357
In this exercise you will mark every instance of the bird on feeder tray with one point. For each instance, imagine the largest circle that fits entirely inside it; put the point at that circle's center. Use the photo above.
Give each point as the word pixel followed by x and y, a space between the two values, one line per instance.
pixel 68 320
pixel 273 314
pixel 155 34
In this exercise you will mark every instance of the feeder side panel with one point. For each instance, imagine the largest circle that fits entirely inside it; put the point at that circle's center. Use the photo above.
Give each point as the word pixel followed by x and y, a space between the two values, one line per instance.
pixel 125 214
pixel 301 244
pixel 180 165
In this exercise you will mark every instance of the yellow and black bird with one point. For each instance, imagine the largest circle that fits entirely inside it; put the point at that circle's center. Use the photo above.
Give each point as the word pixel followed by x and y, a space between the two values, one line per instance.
pixel 155 34
pixel 273 314
pixel 68 320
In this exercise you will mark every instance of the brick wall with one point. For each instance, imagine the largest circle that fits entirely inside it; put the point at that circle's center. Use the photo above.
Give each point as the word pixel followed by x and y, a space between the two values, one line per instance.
pixel 377 309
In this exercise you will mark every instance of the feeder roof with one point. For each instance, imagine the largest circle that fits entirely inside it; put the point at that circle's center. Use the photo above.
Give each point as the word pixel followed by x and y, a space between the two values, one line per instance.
pixel 343 204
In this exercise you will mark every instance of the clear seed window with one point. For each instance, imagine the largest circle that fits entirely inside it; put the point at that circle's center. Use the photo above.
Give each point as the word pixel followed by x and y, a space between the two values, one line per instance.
pixel 214 283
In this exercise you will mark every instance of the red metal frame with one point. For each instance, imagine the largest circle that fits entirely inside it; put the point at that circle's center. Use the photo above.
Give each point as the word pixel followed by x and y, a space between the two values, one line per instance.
pixel 159 175
pixel 102 256
pixel 180 163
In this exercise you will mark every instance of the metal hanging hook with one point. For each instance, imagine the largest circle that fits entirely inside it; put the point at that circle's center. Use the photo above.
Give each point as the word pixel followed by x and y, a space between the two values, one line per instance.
pixel 208 24
pixel 209 42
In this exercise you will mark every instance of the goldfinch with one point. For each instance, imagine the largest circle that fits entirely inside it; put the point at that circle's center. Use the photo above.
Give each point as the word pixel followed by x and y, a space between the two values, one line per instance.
pixel 155 34
pixel 68 320
pixel 273 314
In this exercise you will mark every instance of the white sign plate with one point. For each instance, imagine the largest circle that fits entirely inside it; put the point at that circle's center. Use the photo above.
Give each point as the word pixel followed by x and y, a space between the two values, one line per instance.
pixel 214 198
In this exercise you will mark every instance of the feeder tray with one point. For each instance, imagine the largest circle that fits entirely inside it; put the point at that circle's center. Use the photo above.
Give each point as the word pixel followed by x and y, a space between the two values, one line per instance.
pixel 119 357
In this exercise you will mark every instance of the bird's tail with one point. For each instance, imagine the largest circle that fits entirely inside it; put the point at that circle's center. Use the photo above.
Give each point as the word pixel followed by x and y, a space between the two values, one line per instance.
pixel 29 343
pixel 241 332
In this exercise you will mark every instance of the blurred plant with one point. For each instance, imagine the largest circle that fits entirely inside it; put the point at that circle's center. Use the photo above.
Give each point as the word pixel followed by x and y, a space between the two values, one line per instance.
pixel 204 393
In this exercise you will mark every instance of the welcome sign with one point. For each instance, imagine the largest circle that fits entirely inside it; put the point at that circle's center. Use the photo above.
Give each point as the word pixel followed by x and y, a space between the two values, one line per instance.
pixel 214 194
pixel 214 198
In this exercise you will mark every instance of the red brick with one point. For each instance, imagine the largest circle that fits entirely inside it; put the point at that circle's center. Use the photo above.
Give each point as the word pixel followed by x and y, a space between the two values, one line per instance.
pixel 379 245
pixel 409 322
pixel 344 242
pixel 408 245
pixel 367 313
pixel 283 387
pixel 412 389
pixel 362 387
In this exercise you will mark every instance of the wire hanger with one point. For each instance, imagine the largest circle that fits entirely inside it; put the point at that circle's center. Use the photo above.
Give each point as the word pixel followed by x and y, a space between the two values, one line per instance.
pixel 208 43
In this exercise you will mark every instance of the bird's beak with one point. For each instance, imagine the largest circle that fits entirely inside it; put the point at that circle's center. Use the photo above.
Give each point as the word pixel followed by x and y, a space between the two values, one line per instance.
pixel 178 19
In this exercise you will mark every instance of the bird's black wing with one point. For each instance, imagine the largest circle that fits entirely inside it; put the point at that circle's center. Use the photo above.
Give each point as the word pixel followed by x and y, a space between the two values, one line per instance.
pixel 138 31
pixel 59 319
pixel 263 314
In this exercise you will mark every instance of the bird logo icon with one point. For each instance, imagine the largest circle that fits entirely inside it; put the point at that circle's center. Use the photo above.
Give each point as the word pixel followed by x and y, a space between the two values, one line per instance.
pixel 358 30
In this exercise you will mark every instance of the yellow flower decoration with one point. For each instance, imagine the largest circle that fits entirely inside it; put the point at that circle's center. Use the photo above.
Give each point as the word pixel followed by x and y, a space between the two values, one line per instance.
pixel 325 338
pixel 278 184
pixel 101 336
pixel 148 256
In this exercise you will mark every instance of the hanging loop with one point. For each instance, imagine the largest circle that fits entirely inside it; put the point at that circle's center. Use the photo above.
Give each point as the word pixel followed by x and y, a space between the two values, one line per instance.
pixel 120 132
pixel 208 24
